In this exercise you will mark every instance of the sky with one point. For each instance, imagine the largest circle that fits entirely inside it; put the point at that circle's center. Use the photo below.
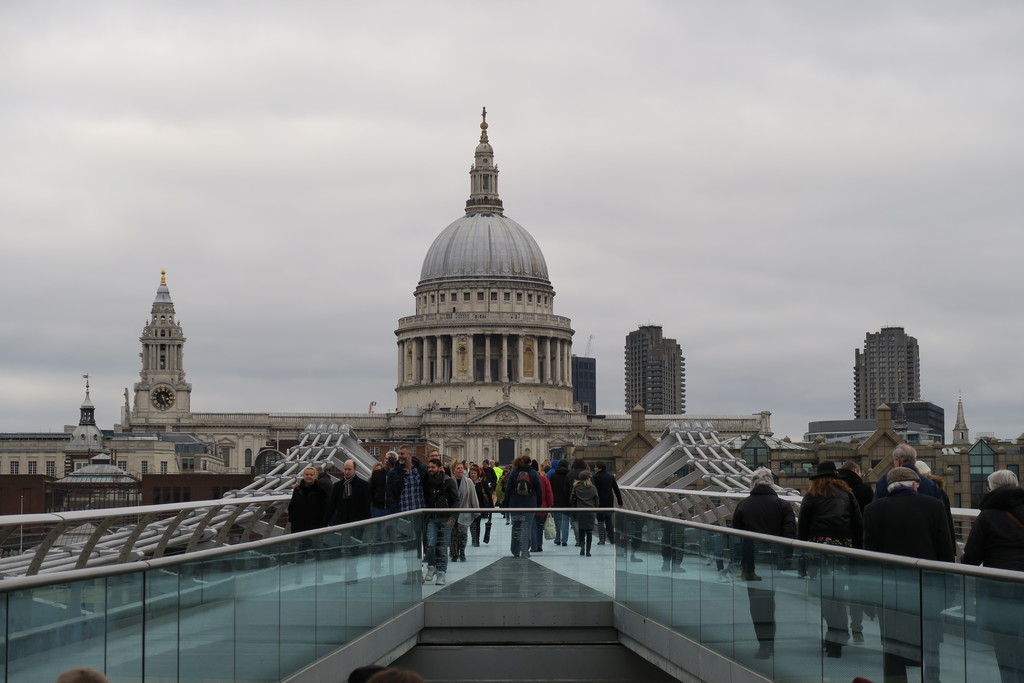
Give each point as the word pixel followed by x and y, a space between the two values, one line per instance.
pixel 768 181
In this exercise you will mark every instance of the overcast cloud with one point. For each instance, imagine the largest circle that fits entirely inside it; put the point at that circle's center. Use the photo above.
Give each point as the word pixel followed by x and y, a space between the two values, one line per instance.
pixel 767 181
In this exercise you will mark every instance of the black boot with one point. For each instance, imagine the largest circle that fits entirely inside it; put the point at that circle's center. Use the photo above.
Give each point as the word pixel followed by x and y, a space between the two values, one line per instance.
pixel 487 532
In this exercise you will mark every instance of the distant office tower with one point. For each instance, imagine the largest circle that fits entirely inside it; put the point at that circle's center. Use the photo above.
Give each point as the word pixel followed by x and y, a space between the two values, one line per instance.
pixel 584 384
pixel 655 372
pixel 886 371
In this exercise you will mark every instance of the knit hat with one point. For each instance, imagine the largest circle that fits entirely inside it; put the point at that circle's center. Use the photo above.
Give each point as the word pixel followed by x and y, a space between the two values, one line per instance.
pixel 825 469
pixel 898 474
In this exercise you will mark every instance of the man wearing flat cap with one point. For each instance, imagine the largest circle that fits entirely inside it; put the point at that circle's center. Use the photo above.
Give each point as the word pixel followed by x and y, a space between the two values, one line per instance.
pixel 905 522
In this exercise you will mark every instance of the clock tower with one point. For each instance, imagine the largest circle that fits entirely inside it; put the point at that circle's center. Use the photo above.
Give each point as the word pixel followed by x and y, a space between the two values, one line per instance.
pixel 162 394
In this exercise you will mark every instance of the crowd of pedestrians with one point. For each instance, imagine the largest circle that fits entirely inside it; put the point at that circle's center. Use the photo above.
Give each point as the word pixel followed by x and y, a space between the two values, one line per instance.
pixel 907 513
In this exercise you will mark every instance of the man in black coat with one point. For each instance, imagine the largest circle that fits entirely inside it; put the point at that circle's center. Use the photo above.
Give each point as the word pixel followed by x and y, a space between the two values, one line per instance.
pixel 762 512
pixel 378 485
pixel 439 492
pixel 850 473
pixel 908 523
pixel 607 493
pixel 350 499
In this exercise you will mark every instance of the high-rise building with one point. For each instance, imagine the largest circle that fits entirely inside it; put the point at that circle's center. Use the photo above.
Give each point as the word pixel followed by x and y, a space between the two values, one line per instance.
pixel 655 372
pixel 888 371
pixel 584 384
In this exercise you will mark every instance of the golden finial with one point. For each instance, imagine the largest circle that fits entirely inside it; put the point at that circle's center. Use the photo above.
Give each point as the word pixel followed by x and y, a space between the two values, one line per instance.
pixel 163 277
pixel 483 127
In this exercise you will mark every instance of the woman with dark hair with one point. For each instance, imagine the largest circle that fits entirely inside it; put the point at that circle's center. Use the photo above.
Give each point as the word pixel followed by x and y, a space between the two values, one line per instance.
pixel 522 491
pixel 483 495
pixel 579 465
pixel 584 495
pixel 829 514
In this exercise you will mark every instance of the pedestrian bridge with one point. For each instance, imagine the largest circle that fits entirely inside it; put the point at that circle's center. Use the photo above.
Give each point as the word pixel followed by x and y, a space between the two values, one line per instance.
pixel 666 603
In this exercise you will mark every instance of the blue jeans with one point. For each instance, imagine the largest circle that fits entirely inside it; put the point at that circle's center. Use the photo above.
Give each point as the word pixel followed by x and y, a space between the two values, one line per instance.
pixel 561 528
pixel 522 522
pixel 537 537
pixel 439 534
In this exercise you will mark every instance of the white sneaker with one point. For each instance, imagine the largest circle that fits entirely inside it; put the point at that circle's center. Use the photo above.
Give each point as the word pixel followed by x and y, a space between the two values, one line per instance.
pixel 440 579
pixel 428 576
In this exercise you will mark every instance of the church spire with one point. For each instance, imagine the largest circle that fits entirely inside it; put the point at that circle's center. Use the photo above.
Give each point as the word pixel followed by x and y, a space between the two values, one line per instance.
pixel 960 431
pixel 899 422
pixel 483 176
pixel 87 409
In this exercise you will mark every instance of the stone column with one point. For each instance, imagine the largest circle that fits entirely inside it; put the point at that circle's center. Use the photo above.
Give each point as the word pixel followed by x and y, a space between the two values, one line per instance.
pixel 519 358
pixel 504 358
pixel 551 357
pixel 438 360
pixel 417 359
pixel 471 350
pixel 558 361
pixel 401 362
pixel 487 358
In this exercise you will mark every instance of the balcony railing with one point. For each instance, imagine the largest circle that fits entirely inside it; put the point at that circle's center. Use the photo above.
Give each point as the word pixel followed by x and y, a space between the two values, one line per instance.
pixel 266 609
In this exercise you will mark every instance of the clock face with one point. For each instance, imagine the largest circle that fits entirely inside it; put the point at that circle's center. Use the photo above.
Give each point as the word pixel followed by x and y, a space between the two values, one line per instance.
pixel 162 397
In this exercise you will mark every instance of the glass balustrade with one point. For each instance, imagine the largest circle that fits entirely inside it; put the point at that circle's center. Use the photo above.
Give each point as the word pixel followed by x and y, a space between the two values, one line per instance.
pixel 260 612
pixel 798 612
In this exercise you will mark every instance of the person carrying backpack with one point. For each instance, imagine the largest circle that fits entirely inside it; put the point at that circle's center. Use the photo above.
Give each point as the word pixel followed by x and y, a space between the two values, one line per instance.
pixel 584 495
pixel 522 491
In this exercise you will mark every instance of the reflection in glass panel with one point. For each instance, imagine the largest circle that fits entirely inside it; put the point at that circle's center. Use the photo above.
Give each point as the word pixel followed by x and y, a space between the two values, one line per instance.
pixel 206 619
pixel 3 629
pixel 161 623
pixel 54 628
pixel 297 601
pixel 943 626
pixel 257 618
pixel 124 626
pixel 716 590
pixel 995 649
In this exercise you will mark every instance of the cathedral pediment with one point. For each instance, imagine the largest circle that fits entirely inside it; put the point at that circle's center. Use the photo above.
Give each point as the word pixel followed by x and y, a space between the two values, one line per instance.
pixel 506 413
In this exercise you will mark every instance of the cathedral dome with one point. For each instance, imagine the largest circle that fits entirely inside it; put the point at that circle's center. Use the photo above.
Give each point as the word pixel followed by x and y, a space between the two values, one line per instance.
pixel 484 245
